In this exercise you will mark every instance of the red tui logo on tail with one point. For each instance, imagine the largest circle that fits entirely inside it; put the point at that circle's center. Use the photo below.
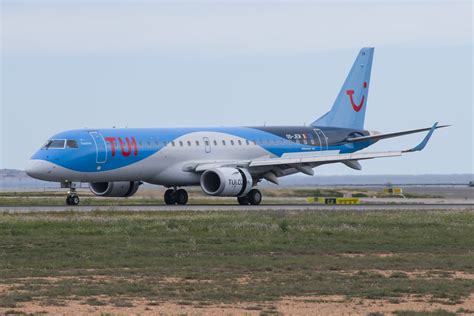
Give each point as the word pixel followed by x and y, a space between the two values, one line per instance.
pixel 356 107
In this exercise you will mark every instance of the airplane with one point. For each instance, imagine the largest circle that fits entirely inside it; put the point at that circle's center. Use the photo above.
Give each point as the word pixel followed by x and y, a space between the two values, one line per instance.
pixel 224 161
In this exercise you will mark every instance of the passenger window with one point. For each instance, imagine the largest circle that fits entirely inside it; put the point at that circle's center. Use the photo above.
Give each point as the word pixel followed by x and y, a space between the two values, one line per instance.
pixel 223 142
pixel 215 143
pixel 240 142
pixel 172 143
pixel 71 144
pixel 232 142
pixel 206 142
pixel 189 143
pixel 181 143
pixel 197 143
pixel 247 142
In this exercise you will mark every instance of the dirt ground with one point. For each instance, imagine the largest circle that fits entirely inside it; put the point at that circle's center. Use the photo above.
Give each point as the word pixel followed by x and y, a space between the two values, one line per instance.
pixel 314 305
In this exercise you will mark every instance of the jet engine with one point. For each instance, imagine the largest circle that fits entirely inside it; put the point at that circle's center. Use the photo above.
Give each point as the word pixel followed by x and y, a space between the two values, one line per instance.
pixel 226 181
pixel 114 189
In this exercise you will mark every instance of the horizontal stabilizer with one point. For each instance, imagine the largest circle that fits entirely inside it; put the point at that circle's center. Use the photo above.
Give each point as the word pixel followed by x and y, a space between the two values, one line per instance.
pixel 389 135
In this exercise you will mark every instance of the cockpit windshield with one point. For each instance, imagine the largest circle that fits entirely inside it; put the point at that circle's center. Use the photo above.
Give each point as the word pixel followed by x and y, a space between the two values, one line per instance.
pixel 71 144
pixel 60 144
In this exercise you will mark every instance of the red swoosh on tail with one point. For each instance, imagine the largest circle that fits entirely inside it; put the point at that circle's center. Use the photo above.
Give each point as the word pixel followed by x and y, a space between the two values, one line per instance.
pixel 356 107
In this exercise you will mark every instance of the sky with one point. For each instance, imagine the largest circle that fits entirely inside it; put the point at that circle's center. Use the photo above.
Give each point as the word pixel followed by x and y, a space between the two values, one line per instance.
pixel 97 64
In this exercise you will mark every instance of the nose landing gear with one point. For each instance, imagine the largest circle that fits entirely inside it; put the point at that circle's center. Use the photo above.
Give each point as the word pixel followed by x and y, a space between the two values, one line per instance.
pixel 173 196
pixel 72 197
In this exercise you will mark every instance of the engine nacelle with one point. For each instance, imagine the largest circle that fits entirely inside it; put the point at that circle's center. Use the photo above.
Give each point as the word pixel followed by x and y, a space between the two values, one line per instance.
pixel 226 181
pixel 114 189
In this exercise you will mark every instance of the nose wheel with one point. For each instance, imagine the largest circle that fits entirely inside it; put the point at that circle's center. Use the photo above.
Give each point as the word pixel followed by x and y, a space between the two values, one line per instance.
pixel 72 199
pixel 173 196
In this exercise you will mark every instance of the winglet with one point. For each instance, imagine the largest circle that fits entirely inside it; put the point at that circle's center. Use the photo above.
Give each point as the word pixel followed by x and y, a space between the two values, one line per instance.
pixel 425 140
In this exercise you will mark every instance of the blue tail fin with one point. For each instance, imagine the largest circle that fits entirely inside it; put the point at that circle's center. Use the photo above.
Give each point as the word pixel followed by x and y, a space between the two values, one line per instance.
pixel 349 108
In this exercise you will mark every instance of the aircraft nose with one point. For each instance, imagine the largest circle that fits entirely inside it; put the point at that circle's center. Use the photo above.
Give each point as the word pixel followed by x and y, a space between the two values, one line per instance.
pixel 38 169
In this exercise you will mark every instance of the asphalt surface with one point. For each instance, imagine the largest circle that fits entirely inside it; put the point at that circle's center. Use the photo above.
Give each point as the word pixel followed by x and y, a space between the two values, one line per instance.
pixel 269 207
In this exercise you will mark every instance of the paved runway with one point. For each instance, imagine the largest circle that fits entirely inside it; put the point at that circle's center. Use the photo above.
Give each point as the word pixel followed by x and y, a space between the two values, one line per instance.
pixel 269 207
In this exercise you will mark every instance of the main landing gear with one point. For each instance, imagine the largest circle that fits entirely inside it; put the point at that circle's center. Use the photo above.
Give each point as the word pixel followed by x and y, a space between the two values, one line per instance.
pixel 254 197
pixel 174 196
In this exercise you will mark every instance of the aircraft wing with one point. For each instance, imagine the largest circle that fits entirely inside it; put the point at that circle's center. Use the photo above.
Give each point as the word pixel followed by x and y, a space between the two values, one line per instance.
pixel 341 157
pixel 304 162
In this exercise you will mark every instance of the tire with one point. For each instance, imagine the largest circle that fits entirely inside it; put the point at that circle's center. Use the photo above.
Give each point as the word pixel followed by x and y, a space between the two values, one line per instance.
pixel 181 197
pixel 170 197
pixel 68 200
pixel 254 197
pixel 243 200
pixel 75 200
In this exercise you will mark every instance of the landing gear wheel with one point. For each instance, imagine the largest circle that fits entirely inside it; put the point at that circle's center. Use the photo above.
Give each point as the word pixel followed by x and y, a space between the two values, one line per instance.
pixel 181 197
pixel 170 197
pixel 243 200
pixel 254 197
pixel 75 200
pixel 72 199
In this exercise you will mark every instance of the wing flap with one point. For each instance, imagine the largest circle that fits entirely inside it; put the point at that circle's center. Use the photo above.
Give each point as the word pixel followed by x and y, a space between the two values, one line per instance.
pixel 322 159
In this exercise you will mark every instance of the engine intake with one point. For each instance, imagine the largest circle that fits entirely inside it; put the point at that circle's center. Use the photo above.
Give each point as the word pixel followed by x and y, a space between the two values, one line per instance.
pixel 226 181
pixel 114 189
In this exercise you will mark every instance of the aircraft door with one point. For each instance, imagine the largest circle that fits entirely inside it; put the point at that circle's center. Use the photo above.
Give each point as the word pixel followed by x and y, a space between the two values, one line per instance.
pixel 207 144
pixel 323 140
pixel 100 146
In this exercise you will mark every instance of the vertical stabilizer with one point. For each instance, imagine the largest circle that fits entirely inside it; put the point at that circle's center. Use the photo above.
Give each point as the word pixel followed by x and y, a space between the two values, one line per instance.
pixel 348 110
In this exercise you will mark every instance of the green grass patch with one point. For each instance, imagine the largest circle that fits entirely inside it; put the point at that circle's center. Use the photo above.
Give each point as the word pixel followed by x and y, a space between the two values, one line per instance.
pixel 229 257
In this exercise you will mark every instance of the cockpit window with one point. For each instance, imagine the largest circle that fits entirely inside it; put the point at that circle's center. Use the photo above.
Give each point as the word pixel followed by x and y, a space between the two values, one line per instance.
pixel 55 143
pixel 71 144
